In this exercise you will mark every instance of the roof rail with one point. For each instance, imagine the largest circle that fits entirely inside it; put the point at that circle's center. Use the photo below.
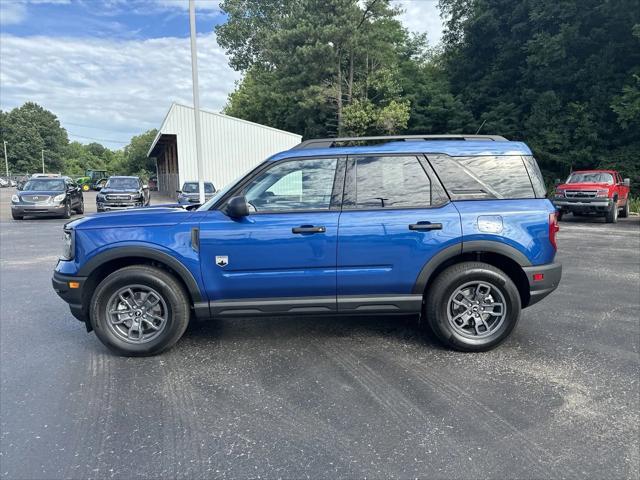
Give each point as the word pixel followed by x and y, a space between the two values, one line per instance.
pixel 331 142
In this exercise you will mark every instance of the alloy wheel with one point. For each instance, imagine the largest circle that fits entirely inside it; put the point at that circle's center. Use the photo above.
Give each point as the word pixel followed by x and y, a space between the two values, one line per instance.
pixel 476 309
pixel 137 313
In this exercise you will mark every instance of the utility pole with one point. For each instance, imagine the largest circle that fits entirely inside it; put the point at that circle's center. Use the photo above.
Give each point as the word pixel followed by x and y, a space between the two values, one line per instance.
pixel 42 155
pixel 6 160
pixel 196 96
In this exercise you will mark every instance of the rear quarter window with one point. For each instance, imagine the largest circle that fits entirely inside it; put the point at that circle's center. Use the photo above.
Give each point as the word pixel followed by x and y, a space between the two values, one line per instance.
pixel 485 177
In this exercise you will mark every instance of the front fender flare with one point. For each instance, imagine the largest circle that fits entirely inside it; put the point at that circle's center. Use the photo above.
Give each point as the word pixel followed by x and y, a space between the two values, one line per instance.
pixel 147 253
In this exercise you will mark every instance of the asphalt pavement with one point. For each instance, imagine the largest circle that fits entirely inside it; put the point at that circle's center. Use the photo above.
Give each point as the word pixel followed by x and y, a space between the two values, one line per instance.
pixel 326 397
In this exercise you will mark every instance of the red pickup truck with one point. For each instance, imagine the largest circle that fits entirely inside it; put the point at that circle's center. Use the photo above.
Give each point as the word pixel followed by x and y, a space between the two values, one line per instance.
pixel 600 192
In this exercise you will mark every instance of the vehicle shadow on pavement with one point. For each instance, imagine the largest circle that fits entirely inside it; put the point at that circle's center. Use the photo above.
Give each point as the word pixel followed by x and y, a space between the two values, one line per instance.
pixel 403 328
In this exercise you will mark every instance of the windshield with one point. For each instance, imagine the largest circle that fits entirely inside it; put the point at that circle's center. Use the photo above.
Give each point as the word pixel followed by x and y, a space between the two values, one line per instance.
pixel 44 185
pixel 192 187
pixel 590 177
pixel 123 183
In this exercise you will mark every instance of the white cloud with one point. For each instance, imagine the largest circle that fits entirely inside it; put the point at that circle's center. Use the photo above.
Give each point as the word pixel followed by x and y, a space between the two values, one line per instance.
pixel 14 12
pixel 422 16
pixel 116 88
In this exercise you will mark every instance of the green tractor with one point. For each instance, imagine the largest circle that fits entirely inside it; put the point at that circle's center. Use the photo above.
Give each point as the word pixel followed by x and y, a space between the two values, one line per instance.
pixel 93 179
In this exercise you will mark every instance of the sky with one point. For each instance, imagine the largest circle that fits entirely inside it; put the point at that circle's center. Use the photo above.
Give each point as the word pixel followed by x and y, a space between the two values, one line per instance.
pixel 109 69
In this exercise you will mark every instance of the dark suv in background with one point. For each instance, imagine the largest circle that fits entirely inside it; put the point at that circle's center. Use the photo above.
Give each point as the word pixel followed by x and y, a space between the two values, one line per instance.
pixel 47 196
pixel 122 192
pixel 190 192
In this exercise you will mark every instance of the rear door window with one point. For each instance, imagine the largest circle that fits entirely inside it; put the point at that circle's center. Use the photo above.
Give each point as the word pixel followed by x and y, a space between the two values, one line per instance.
pixel 484 177
pixel 389 182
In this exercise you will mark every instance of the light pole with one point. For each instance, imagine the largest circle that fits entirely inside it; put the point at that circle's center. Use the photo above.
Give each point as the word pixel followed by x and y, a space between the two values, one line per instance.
pixel 196 96
pixel 42 156
pixel 6 160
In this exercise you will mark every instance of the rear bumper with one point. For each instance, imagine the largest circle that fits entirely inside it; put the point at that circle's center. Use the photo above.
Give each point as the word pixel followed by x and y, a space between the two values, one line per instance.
pixel 538 289
pixel 73 296
pixel 583 204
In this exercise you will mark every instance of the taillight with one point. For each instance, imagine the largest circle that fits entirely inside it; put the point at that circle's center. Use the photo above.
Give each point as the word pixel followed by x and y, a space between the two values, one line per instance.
pixel 554 228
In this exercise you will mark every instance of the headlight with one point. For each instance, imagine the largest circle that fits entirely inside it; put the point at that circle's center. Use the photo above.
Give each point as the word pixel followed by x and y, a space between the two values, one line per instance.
pixel 559 193
pixel 69 245
pixel 100 197
pixel 602 193
pixel 15 198
pixel 59 198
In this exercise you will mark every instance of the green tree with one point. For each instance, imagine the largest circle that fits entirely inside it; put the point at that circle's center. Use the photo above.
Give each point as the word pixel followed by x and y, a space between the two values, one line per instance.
pixel 134 160
pixel 560 75
pixel 28 130
pixel 314 66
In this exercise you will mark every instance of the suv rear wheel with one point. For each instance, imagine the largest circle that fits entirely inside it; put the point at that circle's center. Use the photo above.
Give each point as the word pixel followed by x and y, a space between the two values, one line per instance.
pixel 139 310
pixel 625 210
pixel 472 306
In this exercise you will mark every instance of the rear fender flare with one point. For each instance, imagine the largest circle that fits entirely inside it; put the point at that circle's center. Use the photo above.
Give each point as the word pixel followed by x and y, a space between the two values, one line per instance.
pixel 475 246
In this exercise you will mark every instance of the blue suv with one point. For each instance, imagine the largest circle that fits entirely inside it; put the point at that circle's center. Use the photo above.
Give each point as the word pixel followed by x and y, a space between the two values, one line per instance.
pixel 454 228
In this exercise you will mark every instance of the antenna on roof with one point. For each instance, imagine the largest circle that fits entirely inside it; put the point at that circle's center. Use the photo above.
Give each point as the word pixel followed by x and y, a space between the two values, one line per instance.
pixel 481 125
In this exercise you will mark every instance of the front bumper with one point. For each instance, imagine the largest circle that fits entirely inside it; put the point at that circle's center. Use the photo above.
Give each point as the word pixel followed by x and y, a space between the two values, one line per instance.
pixel 597 204
pixel 107 206
pixel 37 209
pixel 542 286
pixel 73 296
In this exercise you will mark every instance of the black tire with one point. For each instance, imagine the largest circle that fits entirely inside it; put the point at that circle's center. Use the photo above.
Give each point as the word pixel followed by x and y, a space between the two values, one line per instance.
pixel 67 210
pixel 173 296
pixel 612 214
pixel 80 209
pixel 437 306
pixel 16 217
pixel 624 213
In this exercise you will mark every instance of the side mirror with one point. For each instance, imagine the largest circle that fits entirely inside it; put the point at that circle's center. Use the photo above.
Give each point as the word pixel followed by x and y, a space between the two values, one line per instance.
pixel 98 188
pixel 19 187
pixel 627 182
pixel 557 181
pixel 237 207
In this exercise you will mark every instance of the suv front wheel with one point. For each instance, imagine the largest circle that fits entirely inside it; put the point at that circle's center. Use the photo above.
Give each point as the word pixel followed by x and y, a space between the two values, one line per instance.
pixel 139 310
pixel 472 306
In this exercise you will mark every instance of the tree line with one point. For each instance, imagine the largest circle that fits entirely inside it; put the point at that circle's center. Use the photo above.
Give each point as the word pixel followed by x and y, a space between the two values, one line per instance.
pixel 562 75
pixel 31 131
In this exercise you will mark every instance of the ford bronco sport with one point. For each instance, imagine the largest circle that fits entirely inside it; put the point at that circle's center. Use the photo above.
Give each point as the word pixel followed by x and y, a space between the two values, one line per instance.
pixel 454 228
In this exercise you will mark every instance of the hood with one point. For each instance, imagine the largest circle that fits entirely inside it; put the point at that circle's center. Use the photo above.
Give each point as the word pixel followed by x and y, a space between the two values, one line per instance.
pixel 132 191
pixel 51 193
pixel 134 217
pixel 583 186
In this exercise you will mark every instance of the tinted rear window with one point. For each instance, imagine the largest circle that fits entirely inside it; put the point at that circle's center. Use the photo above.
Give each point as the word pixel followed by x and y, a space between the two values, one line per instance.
pixel 482 177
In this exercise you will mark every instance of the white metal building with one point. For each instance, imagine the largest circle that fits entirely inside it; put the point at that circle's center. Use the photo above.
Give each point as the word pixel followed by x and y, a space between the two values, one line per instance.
pixel 230 147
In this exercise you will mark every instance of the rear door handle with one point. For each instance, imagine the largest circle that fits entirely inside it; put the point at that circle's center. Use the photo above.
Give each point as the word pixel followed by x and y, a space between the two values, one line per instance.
pixel 308 229
pixel 423 226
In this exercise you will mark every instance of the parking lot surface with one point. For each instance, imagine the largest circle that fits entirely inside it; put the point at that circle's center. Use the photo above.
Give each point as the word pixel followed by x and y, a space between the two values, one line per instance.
pixel 326 397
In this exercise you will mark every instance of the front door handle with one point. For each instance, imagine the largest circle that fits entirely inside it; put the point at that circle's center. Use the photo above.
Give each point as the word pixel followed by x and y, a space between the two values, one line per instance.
pixel 308 229
pixel 423 226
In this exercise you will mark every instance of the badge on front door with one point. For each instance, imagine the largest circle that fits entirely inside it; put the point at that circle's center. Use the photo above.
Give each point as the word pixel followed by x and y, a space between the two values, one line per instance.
pixel 222 260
